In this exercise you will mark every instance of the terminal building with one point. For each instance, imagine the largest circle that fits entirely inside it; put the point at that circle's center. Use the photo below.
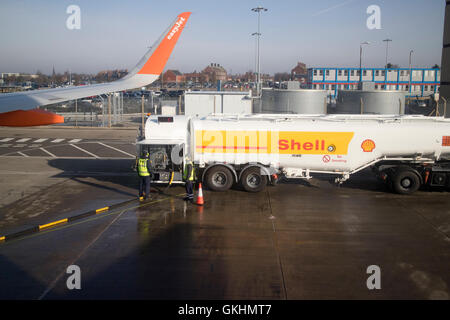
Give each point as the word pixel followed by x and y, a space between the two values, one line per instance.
pixel 423 81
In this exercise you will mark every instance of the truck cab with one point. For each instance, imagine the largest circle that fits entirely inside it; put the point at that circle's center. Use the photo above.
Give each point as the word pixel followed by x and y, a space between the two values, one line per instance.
pixel 165 139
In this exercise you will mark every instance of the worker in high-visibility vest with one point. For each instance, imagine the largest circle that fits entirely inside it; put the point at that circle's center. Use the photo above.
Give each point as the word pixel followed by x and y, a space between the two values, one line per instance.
pixel 188 178
pixel 143 169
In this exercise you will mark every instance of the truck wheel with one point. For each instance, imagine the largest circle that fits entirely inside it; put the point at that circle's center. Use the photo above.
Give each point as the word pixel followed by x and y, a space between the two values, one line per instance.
pixel 253 181
pixel 219 178
pixel 405 181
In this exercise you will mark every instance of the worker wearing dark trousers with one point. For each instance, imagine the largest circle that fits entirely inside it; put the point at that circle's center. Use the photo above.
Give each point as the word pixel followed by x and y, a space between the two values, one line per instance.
pixel 144 175
pixel 188 177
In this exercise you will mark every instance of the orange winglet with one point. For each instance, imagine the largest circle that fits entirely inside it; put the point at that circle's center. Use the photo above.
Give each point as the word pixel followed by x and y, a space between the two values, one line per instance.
pixel 155 64
pixel 29 118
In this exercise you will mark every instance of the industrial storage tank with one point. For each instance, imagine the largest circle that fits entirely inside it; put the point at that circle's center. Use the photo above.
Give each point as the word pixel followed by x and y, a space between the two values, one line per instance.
pixel 198 103
pixel 302 101
pixel 370 102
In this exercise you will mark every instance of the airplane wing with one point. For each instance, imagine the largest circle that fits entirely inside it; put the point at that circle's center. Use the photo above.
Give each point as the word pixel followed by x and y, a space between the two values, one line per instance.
pixel 12 105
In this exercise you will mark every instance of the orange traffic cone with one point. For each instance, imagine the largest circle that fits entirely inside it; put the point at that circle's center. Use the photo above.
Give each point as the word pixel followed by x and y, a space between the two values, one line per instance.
pixel 200 195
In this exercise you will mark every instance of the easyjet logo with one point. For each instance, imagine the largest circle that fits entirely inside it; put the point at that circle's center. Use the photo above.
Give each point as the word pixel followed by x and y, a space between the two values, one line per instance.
pixel 176 28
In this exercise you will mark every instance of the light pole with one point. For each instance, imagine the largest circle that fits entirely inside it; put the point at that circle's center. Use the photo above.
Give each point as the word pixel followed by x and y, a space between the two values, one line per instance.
pixel 256 56
pixel 360 59
pixel 142 113
pixel 258 85
pixel 410 71
pixel 387 48
pixel 385 66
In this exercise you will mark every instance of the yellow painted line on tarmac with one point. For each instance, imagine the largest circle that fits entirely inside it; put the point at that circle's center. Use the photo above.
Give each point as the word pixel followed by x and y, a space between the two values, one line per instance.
pixel 51 224
pixel 91 219
pixel 101 210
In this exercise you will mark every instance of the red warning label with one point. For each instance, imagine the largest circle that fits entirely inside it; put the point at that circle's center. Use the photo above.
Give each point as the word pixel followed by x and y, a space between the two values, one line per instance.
pixel 446 141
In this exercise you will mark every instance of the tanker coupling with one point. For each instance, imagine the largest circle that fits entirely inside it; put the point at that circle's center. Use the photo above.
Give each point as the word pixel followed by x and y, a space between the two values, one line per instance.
pixel 406 151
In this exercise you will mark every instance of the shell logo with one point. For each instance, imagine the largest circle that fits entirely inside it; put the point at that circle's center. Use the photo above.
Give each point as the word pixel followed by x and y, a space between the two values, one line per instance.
pixel 368 145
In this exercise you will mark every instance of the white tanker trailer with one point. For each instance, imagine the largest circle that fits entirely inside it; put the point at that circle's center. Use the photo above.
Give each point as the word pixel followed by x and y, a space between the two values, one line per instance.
pixel 253 150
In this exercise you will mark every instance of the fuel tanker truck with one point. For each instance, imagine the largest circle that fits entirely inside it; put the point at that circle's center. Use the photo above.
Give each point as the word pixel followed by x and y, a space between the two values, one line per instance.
pixel 406 151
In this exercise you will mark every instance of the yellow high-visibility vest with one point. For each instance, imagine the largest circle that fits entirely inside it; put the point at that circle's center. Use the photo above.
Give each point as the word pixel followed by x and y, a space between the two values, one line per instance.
pixel 191 177
pixel 142 167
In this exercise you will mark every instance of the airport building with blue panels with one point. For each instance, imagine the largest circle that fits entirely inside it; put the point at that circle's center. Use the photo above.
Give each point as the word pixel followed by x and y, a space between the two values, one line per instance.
pixel 419 82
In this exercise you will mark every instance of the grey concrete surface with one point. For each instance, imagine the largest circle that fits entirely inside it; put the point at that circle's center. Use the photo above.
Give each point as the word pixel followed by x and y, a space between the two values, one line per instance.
pixel 297 240
pixel 55 132
pixel 53 142
pixel 36 190
pixel 33 166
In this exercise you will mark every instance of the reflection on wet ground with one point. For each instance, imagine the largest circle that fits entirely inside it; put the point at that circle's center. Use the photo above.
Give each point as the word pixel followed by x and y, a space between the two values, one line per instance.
pixel 292 241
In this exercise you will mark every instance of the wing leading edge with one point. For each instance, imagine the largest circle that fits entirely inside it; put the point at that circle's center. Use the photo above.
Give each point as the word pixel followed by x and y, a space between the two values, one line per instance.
pixel 145 72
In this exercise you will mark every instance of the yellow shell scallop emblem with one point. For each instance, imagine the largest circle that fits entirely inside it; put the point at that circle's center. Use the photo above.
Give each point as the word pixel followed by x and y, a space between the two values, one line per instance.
pixel 368 145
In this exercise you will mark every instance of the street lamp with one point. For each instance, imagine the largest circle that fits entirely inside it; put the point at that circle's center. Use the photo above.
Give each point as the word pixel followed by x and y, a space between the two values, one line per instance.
pixel 387 48
pixel 385 66
pixel 410 71
pixel 258 9
pixel 256 56
pixel 360 59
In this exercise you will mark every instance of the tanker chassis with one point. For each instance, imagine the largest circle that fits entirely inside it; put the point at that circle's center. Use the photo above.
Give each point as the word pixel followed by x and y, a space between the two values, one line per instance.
pixel 405 151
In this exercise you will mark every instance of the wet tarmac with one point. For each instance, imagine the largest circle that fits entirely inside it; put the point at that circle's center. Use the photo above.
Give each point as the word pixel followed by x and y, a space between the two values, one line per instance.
pixel 298 240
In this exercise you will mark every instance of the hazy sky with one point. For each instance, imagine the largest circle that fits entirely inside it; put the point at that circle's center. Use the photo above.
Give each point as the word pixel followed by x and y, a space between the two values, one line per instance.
pixel 115 34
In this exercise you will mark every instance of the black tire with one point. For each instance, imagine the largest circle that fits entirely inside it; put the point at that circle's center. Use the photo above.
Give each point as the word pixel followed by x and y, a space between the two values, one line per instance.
pixel 219 178
pixel 253 181
pixel 405 181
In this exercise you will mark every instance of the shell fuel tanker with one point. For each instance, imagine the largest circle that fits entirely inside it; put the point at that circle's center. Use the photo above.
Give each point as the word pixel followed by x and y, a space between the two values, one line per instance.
pixel 255 150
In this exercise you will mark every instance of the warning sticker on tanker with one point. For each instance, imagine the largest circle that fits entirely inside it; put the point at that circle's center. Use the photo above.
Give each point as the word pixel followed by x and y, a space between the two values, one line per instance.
pixel 278 142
